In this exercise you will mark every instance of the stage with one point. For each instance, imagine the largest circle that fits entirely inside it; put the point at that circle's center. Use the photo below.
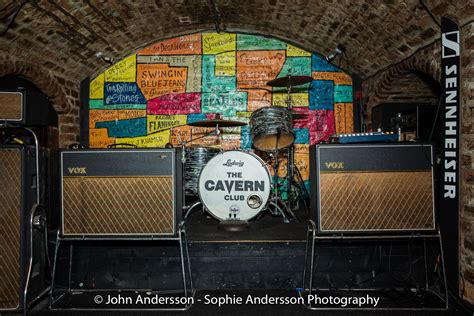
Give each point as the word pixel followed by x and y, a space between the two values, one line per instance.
pixel 267 259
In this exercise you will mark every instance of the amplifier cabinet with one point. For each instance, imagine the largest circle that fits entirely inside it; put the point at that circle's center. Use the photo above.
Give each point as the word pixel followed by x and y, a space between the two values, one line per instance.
pixel 17 197
pixel 120 193
pixel 373 188
pixel 24 107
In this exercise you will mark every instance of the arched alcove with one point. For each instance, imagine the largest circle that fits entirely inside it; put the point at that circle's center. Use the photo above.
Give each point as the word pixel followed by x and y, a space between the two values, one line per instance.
pixel 148 98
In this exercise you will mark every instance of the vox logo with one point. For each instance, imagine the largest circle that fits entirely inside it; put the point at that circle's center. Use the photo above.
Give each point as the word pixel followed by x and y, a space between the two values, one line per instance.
pixel 77 170
pixel 334 164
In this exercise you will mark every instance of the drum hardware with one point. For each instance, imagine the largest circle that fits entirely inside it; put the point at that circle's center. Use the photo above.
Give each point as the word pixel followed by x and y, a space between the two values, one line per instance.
pixel 289 82
pixel 217 123
pixel 296 115
pixel 275 197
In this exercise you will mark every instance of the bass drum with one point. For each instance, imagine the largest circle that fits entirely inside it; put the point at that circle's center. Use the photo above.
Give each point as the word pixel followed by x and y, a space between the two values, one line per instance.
pixel 235 185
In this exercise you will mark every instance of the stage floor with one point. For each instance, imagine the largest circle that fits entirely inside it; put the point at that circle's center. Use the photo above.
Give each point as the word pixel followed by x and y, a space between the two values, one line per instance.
pixel 202 227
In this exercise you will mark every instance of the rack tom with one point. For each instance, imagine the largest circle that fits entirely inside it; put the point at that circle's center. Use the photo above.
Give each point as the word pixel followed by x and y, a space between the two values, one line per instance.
pixel 271 128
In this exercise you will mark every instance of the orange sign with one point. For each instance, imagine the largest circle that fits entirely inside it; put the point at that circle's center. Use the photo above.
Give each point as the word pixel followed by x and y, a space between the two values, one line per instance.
pixel 344 118
pixel 155 80
pixel 258 99
pixel 183 45
pixel 98 138
pixel 102 116
pixel 256 68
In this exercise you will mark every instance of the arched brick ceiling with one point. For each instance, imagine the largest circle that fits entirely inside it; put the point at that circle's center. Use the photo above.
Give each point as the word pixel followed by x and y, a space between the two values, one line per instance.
pixel 410 87
pixel 64 35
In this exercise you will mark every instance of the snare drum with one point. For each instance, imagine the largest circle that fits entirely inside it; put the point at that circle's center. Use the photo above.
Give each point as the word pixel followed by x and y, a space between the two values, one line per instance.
pixel 196 159
pixel 271 128
pixel 235 185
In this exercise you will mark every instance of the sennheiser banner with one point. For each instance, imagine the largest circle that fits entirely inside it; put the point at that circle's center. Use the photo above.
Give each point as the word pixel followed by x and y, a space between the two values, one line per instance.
pixel 449 197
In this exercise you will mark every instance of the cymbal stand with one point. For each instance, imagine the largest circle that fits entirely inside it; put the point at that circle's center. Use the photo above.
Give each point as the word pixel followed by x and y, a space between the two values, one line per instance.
pixel 290 151
pixel 275 197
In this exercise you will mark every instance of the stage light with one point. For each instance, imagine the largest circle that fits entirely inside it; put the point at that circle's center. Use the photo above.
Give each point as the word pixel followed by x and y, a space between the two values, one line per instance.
pixel 340 49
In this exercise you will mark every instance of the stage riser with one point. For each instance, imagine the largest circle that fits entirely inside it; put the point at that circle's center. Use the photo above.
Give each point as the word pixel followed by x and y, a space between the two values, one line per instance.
pixel 243 265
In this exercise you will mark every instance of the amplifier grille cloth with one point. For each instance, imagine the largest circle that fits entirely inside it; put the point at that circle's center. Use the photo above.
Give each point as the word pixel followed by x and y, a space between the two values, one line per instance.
pixel 10 202
pixel 10 106
pixel 118 205
pixel 376 200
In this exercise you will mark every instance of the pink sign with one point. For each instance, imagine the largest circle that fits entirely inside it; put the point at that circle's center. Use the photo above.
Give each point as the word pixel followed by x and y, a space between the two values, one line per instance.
pixel 321 126
pixel 183 103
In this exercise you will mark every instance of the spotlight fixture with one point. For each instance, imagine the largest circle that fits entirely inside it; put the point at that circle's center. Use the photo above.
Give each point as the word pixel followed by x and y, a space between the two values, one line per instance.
pixel 340 49
pixel 101 56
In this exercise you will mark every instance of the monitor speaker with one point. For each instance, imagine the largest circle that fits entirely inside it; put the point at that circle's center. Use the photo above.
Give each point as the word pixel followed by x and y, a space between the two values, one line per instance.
pixel 373 188
pixel 120 192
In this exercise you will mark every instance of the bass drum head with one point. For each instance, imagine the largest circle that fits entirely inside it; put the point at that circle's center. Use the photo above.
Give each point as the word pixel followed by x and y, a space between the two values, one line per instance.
pixel 234 185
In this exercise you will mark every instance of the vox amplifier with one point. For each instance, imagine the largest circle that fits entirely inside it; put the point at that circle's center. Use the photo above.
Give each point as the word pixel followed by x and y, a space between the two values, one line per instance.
pixel 24 107
pixel 120 192
pixel 372 188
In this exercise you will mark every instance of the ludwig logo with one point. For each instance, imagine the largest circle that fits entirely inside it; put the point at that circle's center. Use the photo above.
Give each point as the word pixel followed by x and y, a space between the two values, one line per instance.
pixel 230 163
pixel 334 164
pixel 450 42
pixel 77 170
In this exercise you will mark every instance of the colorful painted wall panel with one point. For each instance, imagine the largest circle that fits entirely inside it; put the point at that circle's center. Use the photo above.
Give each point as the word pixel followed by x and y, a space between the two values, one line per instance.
pixel 189 78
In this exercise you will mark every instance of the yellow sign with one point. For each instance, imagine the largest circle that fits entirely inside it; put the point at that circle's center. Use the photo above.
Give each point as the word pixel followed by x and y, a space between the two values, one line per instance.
pixel 96 88
pixel 213 43
pixel 155 140
pixel 225 64
pixel 123 71
pixel 244 114
pixel 297 99
pixel 293 51
pixel 157 122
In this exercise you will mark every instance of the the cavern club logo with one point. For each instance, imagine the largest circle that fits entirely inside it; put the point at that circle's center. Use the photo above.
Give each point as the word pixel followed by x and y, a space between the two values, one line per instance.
pixel 231 163
pixel 234 185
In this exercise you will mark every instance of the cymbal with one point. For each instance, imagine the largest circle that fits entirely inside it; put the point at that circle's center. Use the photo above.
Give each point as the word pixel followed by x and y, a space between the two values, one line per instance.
pixel 292 90
pixel 289 81
pixel 298 115
pixel 217 122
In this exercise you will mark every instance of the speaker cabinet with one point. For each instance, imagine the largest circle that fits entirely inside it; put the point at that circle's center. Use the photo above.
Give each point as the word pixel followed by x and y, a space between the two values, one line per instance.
pixel 373 188
pixel 17 196
pixel 120 192
pixel 23 107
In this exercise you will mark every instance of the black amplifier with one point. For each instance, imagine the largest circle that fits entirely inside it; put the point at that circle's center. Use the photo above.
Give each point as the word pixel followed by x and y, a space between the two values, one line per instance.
pixel 120 192
pixel 24 107
pixel 372 187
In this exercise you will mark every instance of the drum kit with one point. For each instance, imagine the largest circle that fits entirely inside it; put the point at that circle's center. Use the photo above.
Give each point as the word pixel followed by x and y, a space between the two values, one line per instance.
pixel 236 186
